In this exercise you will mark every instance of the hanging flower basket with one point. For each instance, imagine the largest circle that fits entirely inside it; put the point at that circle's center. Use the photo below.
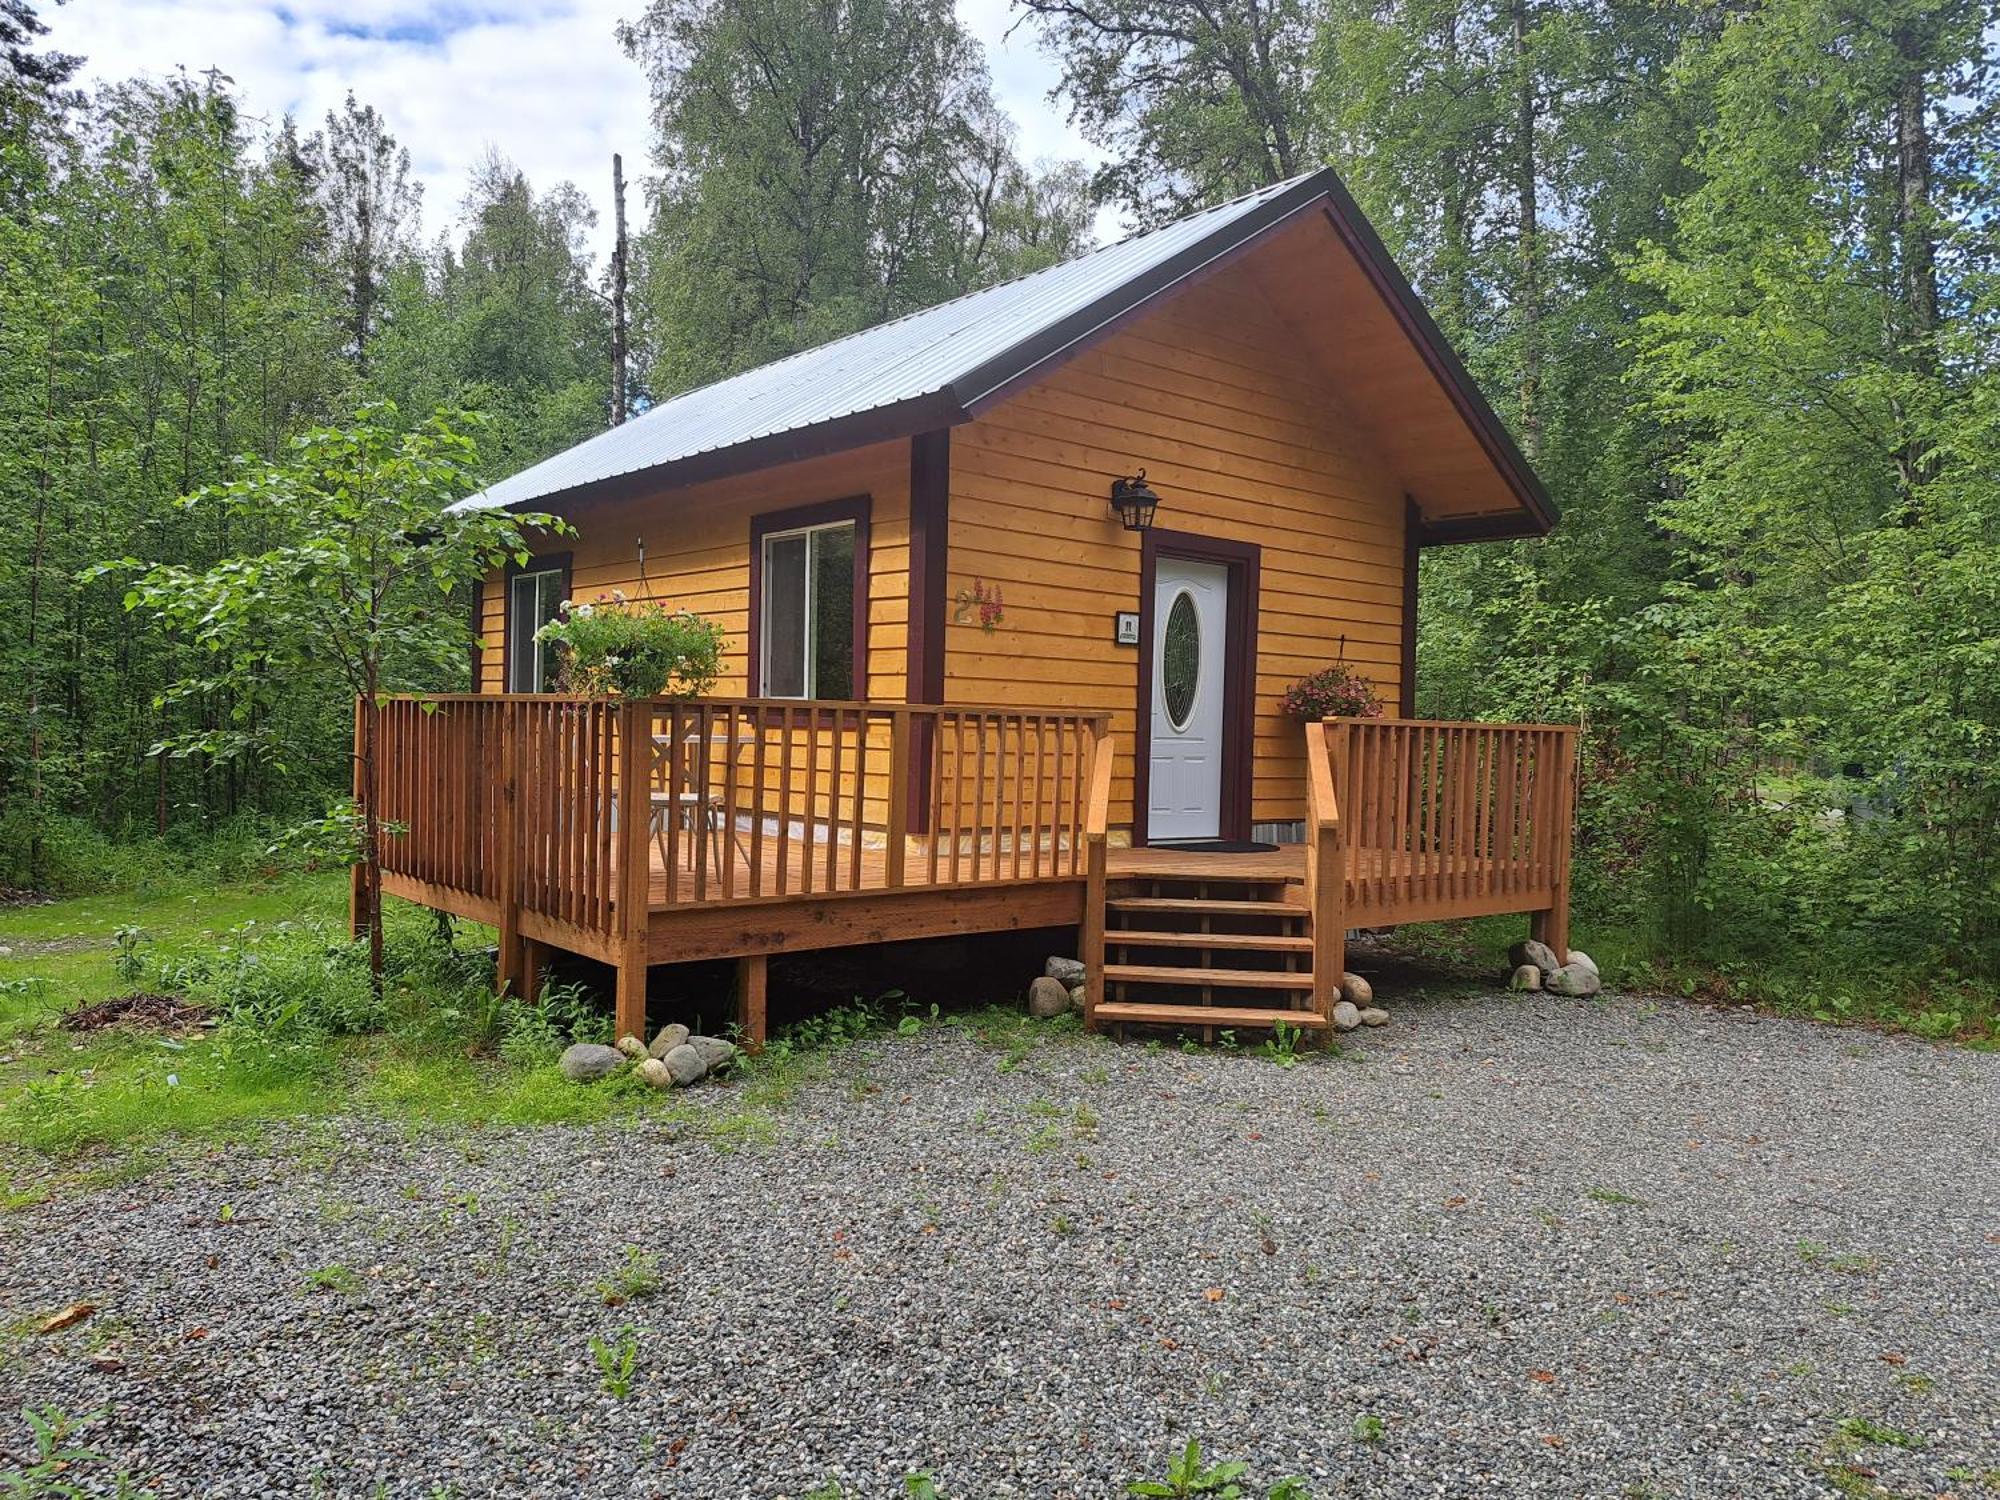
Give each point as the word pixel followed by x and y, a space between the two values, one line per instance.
pixel 614 646
pixel 1331 692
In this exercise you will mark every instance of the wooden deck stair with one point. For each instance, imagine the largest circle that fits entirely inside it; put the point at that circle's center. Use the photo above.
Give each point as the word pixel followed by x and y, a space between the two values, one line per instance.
pixel 1191 945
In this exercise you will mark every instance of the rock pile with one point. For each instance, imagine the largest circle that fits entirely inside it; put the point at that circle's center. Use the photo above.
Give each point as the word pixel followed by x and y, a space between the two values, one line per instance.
pixel 676 1058
pixel 1536 967
pixel 1357 1006
pixel 1058 990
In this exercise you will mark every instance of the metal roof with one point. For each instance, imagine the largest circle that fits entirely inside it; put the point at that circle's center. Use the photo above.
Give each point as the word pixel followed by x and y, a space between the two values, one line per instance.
pixel 926 353
pixel 937 367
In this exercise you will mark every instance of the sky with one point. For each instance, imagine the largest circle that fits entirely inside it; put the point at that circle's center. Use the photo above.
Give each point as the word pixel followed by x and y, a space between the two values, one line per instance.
pixel 543 81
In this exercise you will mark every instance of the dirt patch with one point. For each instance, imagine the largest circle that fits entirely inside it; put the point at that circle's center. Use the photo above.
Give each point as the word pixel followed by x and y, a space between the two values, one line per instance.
pixel 144 1010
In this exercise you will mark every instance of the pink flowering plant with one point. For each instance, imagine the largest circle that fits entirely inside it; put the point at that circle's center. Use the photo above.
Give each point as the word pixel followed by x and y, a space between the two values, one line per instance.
pixel 1332 692
pixel 635 648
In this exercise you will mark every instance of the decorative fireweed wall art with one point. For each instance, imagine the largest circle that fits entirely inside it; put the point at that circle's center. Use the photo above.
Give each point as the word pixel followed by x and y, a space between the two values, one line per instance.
pixel 982 602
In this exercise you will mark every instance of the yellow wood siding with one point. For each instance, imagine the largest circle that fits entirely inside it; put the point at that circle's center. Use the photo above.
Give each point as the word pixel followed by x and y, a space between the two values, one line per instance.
pixel 698 556
pixel 1245 439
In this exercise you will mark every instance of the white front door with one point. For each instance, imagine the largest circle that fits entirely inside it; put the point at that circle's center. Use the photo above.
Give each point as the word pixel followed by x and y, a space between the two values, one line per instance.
pixel 1190 637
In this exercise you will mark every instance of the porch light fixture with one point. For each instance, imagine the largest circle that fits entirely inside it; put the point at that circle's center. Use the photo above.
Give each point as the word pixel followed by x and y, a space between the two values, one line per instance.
pixel 1134 501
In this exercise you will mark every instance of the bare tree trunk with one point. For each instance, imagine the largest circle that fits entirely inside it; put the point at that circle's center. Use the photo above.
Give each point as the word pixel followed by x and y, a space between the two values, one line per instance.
pixel 618 274
pixel 1913 206
pixel 1528 295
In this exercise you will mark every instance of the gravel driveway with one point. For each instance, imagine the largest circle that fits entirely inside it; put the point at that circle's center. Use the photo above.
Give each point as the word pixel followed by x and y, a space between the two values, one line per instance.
pixel 1552 1247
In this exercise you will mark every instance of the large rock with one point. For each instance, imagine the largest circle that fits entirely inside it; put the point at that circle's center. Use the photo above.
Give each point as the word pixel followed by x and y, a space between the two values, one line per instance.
pixel 714 1052
pixel 1526 977
pixel 1355 989
pixel 632 1047
pixel 655 1073
pixel 587 1062
pixel 1345 1016
pixel 1372 1015
pixel 1535 952
pixel 1574 980
pixel 1047 998
pixel 684 1065
pixel 668 1038
pixel 1068 970
pixel 1578 959
pixel 1079 998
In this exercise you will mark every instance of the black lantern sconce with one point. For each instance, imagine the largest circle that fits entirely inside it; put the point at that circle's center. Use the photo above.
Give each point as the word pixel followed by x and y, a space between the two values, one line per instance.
pixel 1134 501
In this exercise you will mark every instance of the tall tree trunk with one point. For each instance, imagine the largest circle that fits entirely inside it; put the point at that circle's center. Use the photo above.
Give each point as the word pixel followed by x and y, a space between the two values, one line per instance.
pixel 618 273
pixel 1528 293
pixel 1914 226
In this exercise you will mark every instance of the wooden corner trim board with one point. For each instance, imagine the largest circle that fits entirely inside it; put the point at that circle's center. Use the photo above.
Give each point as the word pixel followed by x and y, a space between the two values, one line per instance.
pixel 855 508
pixel 930 561
pixel 1239 699
pixel 541 563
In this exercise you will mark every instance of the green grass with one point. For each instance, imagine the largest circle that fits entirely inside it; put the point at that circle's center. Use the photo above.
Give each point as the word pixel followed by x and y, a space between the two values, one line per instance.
pixel 99 1105
pixel 307 1040
pixel 1473 953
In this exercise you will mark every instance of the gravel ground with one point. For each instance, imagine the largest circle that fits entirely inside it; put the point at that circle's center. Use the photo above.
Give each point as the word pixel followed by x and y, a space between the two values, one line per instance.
pixel 1555 1247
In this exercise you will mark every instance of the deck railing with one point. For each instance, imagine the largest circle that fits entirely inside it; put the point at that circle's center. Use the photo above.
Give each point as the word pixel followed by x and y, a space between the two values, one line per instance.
pixel 520 801
pixel 767 797
pixel 1441 818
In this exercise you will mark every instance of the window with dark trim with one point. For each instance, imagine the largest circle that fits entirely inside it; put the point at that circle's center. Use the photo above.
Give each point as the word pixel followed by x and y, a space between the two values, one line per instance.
pixel 534 593
pixel 809 601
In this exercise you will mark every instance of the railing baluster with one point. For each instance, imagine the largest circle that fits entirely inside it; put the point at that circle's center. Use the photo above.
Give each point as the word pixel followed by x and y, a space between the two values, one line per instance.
pixel 757 804
pixel 861 731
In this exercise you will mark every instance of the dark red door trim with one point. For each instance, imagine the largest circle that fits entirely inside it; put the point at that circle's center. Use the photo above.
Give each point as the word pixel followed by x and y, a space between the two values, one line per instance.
pixel 1239 689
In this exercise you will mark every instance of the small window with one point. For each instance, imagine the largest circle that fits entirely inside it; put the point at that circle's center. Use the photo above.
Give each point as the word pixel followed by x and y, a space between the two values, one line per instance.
pixel 1180 661
pixel 532 601
pixel 807 630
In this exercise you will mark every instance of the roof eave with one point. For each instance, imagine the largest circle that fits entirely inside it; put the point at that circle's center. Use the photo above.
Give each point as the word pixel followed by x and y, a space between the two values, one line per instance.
pixel 1368 250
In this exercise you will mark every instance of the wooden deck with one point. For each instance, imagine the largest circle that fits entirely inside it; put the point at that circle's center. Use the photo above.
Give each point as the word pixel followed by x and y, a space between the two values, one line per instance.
pixel 773 828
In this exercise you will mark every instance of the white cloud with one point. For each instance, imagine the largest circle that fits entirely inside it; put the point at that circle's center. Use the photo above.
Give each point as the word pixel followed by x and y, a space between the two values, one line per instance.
pixel 543 81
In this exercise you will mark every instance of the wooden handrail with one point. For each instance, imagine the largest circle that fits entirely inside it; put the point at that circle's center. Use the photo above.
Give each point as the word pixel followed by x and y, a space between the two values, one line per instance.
pixel 1097 815
pixel 1096 835
pixel 1326 870
pixel 1322 804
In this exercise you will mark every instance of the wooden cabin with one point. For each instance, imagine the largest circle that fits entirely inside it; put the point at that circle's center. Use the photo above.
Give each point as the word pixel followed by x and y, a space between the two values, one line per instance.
pixel 1012 588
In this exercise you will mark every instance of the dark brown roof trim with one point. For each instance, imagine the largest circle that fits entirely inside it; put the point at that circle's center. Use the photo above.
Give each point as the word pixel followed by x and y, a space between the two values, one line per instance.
pixel 1479 529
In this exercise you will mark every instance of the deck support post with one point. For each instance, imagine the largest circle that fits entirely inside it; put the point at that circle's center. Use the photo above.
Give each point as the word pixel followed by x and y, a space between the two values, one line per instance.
pixel 534 967
pixel 514 969
pixel 634 865
pixel 1551 925
pixel 1326 869
pixel 753 973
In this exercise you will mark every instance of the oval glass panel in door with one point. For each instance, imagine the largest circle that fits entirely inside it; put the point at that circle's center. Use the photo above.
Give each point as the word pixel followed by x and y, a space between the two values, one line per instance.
pixel 1180 659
